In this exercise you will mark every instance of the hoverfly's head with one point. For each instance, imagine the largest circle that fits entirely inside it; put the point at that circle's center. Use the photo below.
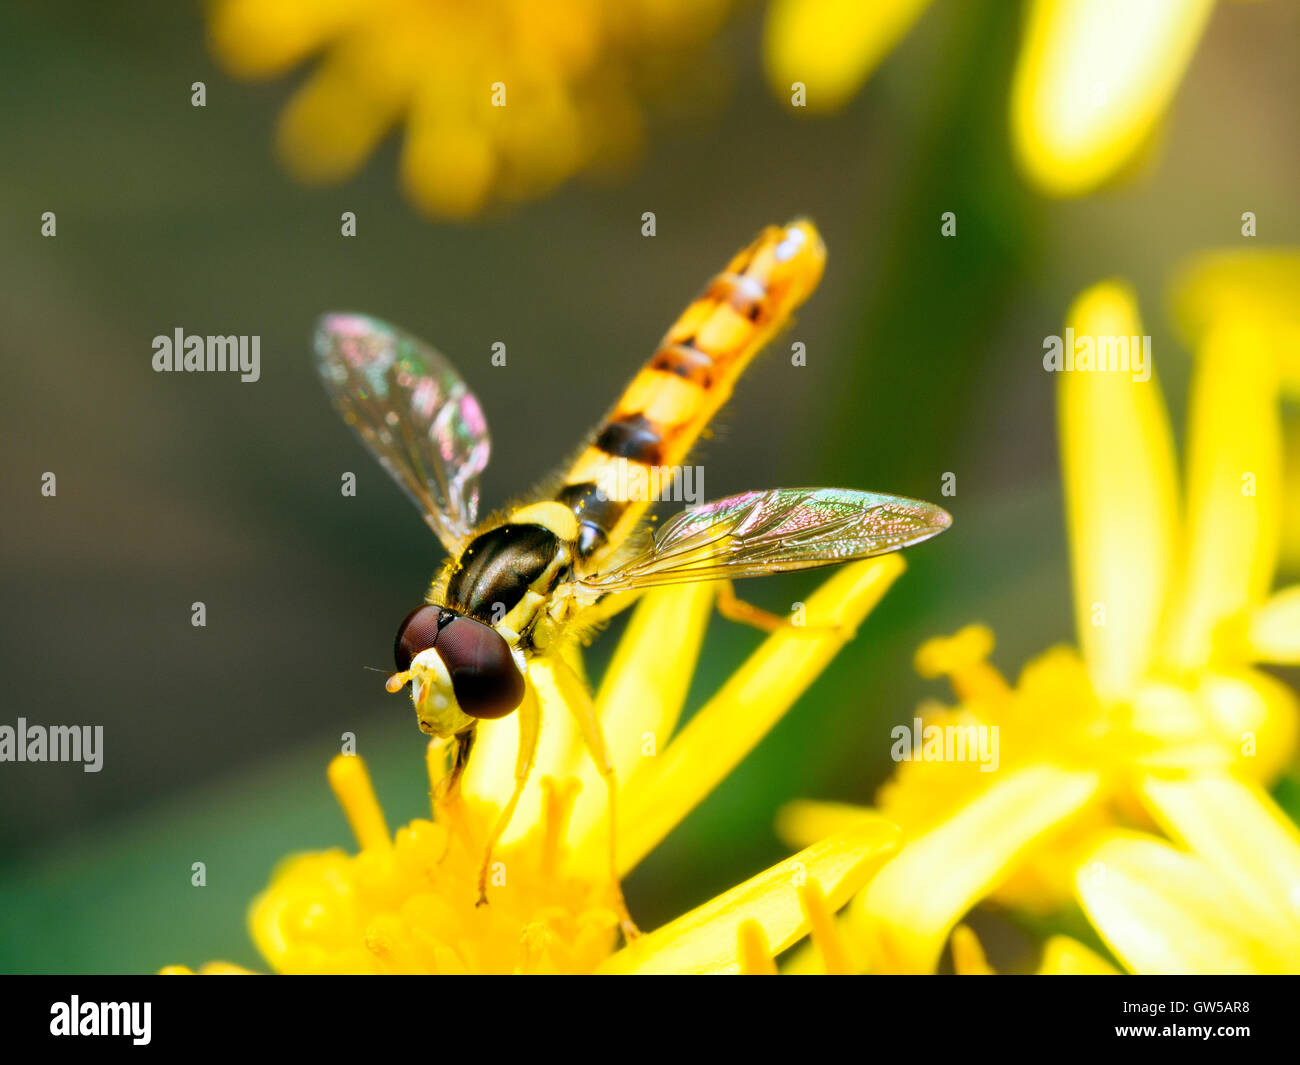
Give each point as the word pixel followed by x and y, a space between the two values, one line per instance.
pixel 460 670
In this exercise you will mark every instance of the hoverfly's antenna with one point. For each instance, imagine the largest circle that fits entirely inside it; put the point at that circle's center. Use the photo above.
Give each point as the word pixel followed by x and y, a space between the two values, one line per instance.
pixel 395 681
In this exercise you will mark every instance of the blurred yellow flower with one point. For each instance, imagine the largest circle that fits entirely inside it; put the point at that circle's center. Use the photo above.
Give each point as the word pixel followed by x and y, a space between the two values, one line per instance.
pixel 1262 287
pixel 1257 286
pixel 1092 79
pixel 831 46
pixel 1161 722
pixel 1061 956
pixel 838 947
pixel 503 100
pixel 406 903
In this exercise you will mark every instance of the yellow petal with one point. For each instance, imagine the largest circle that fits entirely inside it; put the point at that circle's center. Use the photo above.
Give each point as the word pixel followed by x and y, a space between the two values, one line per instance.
pixel 804 959
pixel 1234 487
pixel 490 774
pixel 643 691
pixel 804 821
pixel 1117 459
pixel 1290 548
pixel 1273 630
pixel 261 38
pixel 917 898
pixel 224 968
pixel 211 968
pixel 334 121
pixel 540 140
pixel 1243 834
pixel 1063 956
pixel 644 688
pixel 448 167
pixel 1261 288
pixel 831 46
pixel 1255 719
pixel 1160 910
pixel 1171 725
pixel 1092 79
pixel 968 958
pixel 706 939
pixel 746 707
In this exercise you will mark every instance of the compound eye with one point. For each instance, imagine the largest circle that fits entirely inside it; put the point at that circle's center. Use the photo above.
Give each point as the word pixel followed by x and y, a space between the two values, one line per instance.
pixel 417 632
pixel 484 677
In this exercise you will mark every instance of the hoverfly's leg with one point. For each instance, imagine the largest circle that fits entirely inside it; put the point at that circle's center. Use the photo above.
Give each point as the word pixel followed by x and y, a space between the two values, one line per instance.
pixel 580 624
pixel 448 790
pixel 529 715
pixel 733 608
pixel 607 606
pixel 454 755
pixel 593 737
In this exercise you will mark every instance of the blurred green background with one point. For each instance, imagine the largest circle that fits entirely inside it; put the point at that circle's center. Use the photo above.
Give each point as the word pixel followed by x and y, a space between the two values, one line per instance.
pixel 924 356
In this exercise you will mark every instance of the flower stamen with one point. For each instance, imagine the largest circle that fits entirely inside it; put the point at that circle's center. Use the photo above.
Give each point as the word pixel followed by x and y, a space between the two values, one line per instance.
pixel 968 957
pixel 754 953
pixel 826 936
pixel 962 658
pixel 355 793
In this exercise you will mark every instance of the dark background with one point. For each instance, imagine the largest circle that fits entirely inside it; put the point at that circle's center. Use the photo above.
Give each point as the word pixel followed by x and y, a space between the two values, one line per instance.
pixel 924 356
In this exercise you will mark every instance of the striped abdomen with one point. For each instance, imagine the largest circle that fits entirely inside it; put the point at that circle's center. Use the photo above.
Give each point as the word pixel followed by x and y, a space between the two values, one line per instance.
pixel 668 404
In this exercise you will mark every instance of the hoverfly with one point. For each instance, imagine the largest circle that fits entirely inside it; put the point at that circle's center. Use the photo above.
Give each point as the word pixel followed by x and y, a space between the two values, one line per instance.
pixel 525 582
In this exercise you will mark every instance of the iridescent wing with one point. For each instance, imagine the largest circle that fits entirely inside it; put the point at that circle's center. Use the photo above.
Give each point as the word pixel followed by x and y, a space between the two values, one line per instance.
pixel 415 414
pixel 782 529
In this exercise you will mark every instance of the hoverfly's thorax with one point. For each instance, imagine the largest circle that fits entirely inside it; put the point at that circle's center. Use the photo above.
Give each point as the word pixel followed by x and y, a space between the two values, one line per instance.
pixel 499 567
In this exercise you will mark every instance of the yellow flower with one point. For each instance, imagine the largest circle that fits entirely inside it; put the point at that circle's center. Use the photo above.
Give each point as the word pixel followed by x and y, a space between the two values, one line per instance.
pixel 831 46
pixel 1262 287
pixel 406 902
pixel 1062 956
pixel 1092 80
pixel 1160 723
pixel 837 948
pixel 503 100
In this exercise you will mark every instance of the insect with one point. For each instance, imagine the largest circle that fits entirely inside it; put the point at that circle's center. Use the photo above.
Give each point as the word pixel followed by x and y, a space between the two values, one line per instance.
pixel 525 582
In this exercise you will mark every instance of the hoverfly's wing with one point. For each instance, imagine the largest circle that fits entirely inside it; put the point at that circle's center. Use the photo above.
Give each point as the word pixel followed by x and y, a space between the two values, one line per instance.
pixel 782 529
pixel 414 413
